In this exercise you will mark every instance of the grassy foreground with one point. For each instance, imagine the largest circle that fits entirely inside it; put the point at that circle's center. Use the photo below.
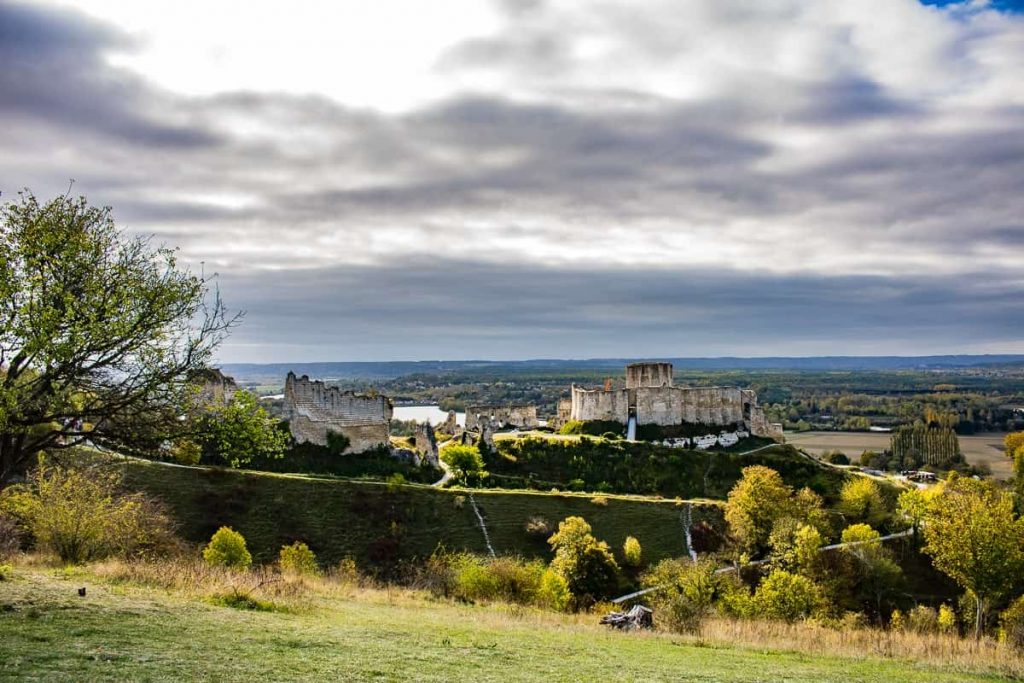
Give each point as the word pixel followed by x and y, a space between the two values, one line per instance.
pixel 127 632
pixel 377 524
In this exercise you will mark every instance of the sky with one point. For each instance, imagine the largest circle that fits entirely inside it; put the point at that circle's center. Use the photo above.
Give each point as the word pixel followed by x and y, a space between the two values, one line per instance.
pixel 504 179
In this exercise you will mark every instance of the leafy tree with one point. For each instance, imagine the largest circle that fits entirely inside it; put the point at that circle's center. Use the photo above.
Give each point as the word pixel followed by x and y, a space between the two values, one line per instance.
pixel 873 572
pixel 756 501
pixel 466 463
pixel 227 549
pixel 99 333
pixel 686 592
pixel 861 500
pixel 237 432
pixel 586 564
pixel 787 597
pixel 972 535
pixel 1013 442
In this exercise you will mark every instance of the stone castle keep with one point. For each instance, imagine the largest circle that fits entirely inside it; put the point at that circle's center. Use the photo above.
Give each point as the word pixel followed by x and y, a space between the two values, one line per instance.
pixel 313 409
pixel 651 398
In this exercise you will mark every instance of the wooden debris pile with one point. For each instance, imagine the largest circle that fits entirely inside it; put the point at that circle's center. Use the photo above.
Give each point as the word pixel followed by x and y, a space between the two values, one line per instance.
pixel 637 617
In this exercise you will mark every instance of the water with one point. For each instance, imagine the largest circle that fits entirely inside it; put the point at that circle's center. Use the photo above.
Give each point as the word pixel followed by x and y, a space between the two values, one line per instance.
pixel 431 414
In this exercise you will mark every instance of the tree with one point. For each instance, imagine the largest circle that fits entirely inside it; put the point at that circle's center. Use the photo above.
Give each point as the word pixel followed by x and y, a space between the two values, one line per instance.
pixel 871 569
pixel 586 564
pixel 239 431
pixel 99 333
pixel 686 592
pixel 972 535
pixel 860 500
pixel 788 597
pixel 466 463
pixel 297 559
pixel 757 500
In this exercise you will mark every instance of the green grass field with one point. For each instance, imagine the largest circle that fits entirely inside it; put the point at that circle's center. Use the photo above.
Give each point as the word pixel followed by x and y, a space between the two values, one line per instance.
pixel 377 524
pixel 124 633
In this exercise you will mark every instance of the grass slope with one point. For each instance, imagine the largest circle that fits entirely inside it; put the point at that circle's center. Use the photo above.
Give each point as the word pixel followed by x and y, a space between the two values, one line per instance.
pixel 377 524
pixel 118 633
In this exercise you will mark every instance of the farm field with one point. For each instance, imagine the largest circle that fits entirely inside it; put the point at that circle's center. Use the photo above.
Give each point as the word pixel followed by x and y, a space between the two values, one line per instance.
pixel 977 448
pixel 128 632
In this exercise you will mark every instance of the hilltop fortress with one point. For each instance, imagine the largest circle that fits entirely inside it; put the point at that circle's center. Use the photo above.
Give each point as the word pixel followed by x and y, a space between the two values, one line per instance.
pixel 651 398
pixel 313 409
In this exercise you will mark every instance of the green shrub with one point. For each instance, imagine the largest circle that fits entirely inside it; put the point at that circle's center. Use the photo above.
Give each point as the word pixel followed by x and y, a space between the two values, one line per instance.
pixel 227 549
pixel 80 514
pixel 6 572
pixel 632 553
pixel 1011 624
pixel 686 595
pixel 242 600
pixel 337 443
pixel 298 559
pixel 835 457
pixel 787 597
pixel 553 592
pixel 897 621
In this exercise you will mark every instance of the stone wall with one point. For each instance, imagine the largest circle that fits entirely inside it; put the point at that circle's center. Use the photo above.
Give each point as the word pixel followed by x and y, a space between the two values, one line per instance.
pixel 497 417
pixel 597 404
pixel 426 444
pixel 668 405
pixel 648 375
pixel 313 409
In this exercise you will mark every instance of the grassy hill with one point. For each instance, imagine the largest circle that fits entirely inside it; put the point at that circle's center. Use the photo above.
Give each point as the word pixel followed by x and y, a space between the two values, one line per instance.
pixel 126 632
pixel 380 524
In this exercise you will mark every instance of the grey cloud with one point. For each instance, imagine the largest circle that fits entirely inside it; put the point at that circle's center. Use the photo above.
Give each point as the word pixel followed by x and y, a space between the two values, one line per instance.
pixel 444 309
pixel 53 70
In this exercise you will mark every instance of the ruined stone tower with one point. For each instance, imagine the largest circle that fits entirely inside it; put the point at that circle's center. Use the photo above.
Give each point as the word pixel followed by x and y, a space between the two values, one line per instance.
pixel 313 409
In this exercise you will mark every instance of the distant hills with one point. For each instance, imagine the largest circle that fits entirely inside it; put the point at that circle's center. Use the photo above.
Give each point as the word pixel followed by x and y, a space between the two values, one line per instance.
pixel 274 373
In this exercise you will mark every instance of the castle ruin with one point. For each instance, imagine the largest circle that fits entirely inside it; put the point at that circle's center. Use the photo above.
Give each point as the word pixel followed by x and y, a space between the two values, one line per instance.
pixel 651 398
pixel 500 417
pixel 314 409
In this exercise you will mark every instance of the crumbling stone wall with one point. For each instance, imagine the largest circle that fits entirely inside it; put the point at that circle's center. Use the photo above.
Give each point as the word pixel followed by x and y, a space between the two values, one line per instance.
pixel 313 409
pixel 563 413
pixel 215 388
pixel 426 444
pixel 497 417
pixel 648 375
pixel 664 404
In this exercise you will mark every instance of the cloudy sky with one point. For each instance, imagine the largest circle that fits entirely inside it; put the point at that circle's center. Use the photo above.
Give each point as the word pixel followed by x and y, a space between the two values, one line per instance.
pixel 400 179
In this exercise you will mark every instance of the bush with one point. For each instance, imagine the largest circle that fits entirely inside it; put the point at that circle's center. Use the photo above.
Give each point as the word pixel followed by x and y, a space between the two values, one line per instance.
pixel 836 458
pixel 632 554
pixel 227 549
pixel 538 527
pixel 1011 624
pixel 80 514
pixel 947 620
pixel 923 619
pixel 897 622
pixel 298 559
pixel 687 593
pixel 787 597
pixel 506 579
pixel 6 572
